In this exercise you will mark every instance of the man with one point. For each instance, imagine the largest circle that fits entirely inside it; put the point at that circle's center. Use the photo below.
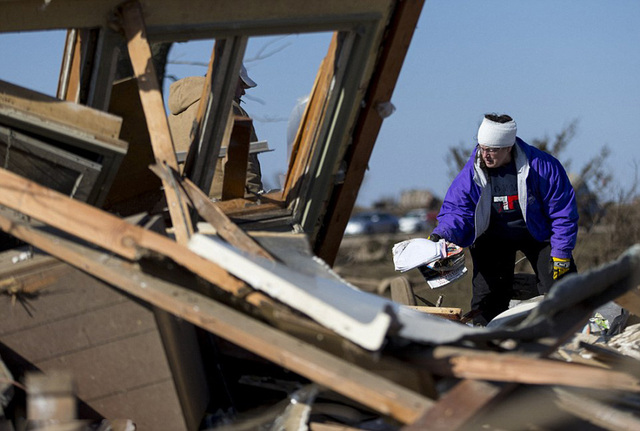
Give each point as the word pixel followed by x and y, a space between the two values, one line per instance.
pixel 184 96
pixel 509 196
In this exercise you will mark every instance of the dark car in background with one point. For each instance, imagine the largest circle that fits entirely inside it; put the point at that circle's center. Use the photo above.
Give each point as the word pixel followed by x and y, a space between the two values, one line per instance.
pixel 371 222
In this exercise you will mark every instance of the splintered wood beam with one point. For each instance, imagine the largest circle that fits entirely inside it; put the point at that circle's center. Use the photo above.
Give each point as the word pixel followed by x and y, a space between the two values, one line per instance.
pixel 41 107
pixel 451 313
pixel 399 34
pixel 153 106
pixel 213 215
pixel 103 229
pixel 310 123
pixel 503 367
pixel 337 374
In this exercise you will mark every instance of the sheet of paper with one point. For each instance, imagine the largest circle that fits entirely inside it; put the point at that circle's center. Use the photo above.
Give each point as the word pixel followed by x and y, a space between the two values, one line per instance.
pixel 414 252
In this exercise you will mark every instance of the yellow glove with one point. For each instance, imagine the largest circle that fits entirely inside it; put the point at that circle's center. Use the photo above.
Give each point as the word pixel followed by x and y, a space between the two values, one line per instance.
pixel 560 267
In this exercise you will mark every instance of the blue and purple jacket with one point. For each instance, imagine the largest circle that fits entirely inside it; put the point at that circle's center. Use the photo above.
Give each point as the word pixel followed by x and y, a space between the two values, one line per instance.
pixel 545 194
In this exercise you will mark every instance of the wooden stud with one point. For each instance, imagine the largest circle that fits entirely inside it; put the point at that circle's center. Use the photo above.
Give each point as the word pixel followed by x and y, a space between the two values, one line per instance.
pixel 451 313
pixel 309 124
pixel 213 215
pixel 343 199
pixel 100 228
pixel 153 105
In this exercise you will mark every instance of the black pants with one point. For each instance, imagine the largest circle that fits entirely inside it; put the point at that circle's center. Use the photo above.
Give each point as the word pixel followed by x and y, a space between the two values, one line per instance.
pixel 493 268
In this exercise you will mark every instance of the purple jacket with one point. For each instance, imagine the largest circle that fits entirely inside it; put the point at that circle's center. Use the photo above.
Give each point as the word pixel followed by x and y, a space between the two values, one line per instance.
pixel 545 194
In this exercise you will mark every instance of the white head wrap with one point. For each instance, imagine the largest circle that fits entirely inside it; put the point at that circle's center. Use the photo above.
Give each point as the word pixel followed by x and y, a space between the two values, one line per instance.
pixel 497 135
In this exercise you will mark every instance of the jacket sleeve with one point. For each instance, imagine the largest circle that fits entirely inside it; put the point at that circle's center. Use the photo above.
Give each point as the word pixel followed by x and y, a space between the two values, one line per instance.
pixel 456 218
pixel 559 202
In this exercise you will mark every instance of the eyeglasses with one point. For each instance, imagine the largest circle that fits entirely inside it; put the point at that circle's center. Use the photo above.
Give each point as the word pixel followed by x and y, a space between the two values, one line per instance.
pixel 490 150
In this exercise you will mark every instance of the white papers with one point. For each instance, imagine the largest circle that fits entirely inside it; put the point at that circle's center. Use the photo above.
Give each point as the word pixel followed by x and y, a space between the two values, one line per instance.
pixel 415 252
pixel 440 262
pixel 441 280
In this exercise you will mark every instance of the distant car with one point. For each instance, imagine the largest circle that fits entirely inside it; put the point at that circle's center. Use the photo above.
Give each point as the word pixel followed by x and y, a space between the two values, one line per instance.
pixel 415 221
pixel 372 222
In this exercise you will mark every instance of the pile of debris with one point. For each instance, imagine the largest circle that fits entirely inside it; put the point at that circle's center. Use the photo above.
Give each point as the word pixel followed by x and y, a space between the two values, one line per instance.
pixel 150 305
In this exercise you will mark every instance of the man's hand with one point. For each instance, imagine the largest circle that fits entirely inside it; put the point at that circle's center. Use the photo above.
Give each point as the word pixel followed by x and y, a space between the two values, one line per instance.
pixel 560 267
pixel 434 237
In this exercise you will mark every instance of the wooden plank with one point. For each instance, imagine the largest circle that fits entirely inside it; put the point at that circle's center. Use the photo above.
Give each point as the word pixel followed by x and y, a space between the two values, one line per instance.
pixel 398 38
pixel 153 106
pixel 310 123
pixel 101 228
pixel 269 202
pixel 450 313
pixel 213 215
pixel 502 367
pixel 235 167
pixel 336 374
pixel 191 19
pixel 30 103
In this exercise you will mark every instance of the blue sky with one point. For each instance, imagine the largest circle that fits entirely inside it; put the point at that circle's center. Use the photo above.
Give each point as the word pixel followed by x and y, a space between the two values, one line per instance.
pixel 546 63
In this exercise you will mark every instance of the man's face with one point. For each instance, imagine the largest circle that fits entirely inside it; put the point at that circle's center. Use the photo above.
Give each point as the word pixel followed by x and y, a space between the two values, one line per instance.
pixel 240 89
pixel 495 157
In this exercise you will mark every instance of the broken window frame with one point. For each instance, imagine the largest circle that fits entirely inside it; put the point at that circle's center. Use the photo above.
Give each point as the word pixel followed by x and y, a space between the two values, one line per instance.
pixel 358 33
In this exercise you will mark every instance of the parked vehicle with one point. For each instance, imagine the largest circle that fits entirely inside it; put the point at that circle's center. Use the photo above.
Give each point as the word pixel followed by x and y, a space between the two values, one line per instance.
pixel 417 220
pixel 371 222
